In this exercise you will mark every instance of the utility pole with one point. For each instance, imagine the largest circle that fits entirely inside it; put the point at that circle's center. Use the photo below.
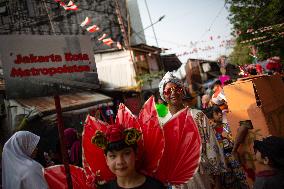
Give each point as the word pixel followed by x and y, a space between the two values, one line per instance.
pixel 151 23
pixel 123 31
pixel 121 24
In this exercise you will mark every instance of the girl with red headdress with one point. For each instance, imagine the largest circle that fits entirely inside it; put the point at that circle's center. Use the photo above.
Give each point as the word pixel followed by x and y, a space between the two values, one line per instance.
pixel 120 149
pixel 134 152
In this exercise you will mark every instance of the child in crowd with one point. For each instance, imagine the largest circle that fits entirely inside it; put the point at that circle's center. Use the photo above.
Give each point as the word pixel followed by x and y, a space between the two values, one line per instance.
pixel 121 158
pixel 234 177
pixel 269 154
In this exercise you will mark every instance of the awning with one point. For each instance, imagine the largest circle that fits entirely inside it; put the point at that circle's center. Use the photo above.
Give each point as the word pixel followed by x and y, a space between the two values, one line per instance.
pixel 69 102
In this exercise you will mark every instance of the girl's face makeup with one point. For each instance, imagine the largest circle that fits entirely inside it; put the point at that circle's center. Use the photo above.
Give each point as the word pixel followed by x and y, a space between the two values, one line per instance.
pixel 122 162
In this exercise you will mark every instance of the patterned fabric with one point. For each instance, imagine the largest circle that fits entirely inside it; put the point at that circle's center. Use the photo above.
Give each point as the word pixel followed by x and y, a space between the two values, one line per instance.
pixel 235 177
pixel 212 158
pixel 199 181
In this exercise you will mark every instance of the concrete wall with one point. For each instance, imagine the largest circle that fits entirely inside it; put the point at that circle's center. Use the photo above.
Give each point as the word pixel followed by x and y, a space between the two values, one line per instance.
pixel 30 17
pixel 115 70
pixel 137 35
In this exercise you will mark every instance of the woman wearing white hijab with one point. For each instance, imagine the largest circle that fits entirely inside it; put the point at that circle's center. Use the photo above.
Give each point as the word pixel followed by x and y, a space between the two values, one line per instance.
pixel 19 170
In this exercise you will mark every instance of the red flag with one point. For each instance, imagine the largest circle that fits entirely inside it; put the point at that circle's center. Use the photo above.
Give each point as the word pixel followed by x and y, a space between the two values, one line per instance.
pixel 108 41
pixel 93 28
pixel 69 6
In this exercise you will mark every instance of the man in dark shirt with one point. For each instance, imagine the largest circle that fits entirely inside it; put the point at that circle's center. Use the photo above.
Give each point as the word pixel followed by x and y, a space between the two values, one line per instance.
pixel 269 154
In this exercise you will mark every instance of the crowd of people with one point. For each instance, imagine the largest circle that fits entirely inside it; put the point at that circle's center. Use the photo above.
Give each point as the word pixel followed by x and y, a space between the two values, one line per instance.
pixel 219 166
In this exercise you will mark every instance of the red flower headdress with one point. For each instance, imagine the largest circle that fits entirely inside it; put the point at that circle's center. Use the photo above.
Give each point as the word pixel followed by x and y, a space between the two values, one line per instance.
pixel 116 133
pixel 177 142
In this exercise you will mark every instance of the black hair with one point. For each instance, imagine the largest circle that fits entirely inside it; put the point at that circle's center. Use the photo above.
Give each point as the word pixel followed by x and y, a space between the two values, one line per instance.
pixel 271 147
pixel 187 95
pixel 228 82
pixel 216 109
pixel 209 111
pixel 119 145
pixel 252 71
pixel 218 82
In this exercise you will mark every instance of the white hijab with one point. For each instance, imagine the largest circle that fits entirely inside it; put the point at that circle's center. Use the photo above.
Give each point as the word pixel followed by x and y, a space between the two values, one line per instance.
pixel 19 170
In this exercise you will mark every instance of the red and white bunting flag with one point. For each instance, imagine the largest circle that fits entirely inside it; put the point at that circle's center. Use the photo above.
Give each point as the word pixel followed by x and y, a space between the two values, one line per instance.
pixel 62 4
pixel 118 45
pixel 69 6
pixel 85 22
pixel 108 41
pixel 73 7
pixel 102 37
pixel 70 3
pixel 137 58
pixel 93 28
pixel 142 57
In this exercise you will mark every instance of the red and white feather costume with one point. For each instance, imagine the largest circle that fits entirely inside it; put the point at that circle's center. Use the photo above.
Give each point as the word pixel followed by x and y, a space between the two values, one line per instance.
pixel 170 153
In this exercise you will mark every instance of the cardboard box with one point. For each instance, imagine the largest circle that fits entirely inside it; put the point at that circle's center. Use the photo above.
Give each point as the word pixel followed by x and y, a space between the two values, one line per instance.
pixel 261 100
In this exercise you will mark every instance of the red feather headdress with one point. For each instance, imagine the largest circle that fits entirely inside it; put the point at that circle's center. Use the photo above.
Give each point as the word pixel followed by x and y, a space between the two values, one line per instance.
pixel 170 153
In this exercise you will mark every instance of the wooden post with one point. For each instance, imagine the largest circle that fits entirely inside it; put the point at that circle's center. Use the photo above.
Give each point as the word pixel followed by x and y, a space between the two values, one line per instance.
pixel 61 139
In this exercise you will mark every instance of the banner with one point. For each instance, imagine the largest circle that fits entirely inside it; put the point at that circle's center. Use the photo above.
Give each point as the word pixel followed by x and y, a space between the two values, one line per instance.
pixel 34 64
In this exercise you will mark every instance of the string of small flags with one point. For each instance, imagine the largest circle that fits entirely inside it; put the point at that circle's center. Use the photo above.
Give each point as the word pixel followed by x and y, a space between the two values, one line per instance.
pixel 211 39
pixel 224 43
pixel 279 34
pixel 253 39
pixel 86 24
pixel 259 30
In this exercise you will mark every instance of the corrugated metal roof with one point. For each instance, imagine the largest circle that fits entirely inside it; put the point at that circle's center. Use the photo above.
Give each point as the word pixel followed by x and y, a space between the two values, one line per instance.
pixel 145 47
pixel 68 102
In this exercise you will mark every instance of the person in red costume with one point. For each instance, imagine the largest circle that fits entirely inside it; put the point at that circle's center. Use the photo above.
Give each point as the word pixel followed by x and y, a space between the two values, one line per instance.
pixel 212 159
pixel 134 152
pixel 74 146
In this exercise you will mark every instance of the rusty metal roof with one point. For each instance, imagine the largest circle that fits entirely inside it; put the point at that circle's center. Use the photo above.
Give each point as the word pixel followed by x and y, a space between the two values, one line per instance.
pixel 68 102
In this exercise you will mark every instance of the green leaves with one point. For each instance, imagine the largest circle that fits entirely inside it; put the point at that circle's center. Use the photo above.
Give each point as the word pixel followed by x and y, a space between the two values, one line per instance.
pixel 246 16
pixel 148 77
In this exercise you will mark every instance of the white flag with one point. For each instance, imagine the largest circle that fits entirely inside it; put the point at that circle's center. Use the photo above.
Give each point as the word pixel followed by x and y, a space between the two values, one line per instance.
pixel 85 22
